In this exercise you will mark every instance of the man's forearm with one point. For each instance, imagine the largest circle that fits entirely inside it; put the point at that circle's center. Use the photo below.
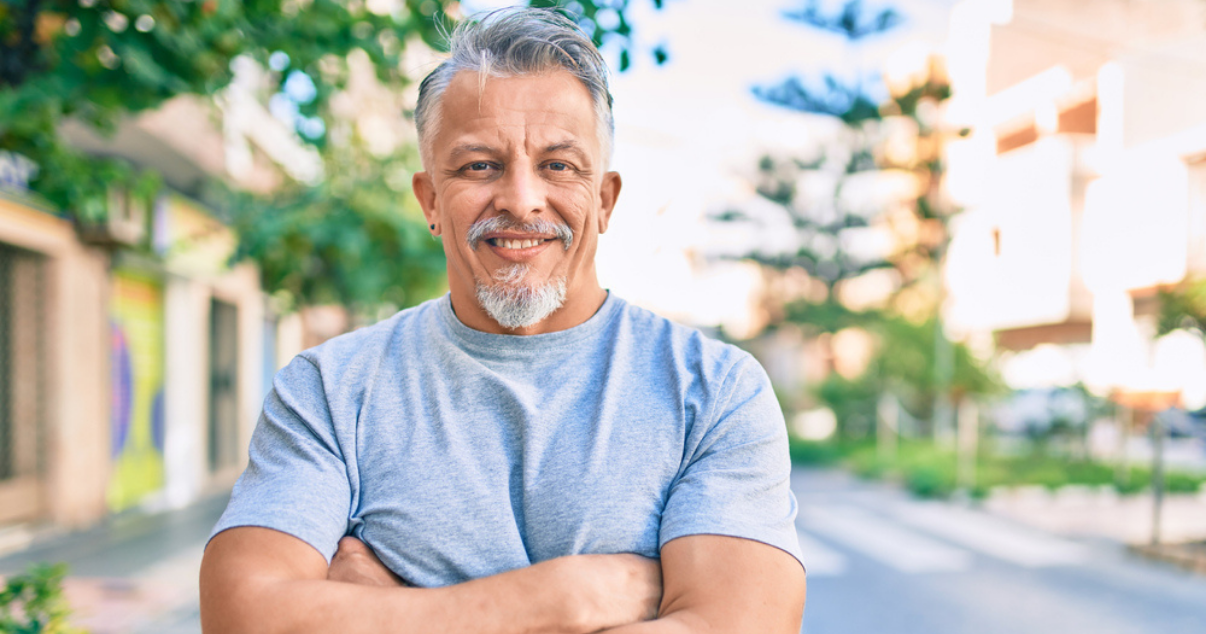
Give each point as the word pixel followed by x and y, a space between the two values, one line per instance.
pixel 671 624
pixel 726 585
pixel 256 580
pixel 504 604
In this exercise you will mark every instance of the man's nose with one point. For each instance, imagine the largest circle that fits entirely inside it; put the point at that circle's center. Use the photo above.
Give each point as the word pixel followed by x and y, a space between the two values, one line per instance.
pixel 521 193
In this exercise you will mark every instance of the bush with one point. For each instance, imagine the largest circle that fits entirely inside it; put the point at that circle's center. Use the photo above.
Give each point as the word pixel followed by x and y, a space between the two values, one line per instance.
pixel 1179 482
pixel 863 460
pixel 929 470
pixel 811 453
pixel 33 602
pixel 1137 480
pixel 930 481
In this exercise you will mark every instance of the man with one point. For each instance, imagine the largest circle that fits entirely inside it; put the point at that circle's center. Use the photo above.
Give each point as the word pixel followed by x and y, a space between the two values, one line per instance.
pixel 528 453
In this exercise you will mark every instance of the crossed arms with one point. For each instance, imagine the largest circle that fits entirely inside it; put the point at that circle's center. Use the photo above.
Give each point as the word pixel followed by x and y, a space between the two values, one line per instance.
pixel 258 580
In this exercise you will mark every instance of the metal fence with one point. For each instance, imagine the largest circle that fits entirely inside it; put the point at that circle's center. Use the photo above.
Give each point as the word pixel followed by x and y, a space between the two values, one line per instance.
pixel 23 375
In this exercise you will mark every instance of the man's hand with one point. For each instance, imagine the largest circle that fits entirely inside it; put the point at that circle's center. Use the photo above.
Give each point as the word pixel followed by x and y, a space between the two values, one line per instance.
pixel 618 589
pixel 608 589
pixel 355 562
pixel 257 580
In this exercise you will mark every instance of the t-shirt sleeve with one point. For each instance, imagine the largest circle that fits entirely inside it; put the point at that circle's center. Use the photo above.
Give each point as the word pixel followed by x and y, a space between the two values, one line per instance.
pixel 296 479
pixel 737 475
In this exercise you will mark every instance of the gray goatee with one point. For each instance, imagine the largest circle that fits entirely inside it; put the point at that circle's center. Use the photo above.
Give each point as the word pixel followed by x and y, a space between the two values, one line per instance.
pixel 515 305
pixel 506 298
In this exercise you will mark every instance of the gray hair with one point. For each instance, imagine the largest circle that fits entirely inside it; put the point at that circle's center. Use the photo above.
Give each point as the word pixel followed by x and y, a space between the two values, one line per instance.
pixel 510 42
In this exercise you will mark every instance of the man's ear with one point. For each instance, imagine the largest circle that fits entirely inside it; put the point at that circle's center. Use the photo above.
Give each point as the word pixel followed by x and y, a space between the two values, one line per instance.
pixel 425 193
pixel 609 191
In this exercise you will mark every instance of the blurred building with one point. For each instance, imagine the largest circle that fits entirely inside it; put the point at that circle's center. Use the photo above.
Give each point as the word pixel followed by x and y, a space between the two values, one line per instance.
pixel 133 358
pixel 1083 181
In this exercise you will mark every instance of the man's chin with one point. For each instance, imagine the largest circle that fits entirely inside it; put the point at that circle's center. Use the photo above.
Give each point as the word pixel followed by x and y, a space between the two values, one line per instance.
pixel 516 306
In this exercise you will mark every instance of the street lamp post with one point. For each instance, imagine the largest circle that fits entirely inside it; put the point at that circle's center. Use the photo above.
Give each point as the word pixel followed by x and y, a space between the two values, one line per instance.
pixel 1154 404
pixel 968 440
pixel 1157 475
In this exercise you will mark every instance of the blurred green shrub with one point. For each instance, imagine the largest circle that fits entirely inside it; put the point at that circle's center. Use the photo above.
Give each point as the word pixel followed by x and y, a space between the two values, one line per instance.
pixel 930 481
pixel 904 365
pixel 929 470
pixel 33 603
pixel 866 464
pixel 813 453
pixel 1179 482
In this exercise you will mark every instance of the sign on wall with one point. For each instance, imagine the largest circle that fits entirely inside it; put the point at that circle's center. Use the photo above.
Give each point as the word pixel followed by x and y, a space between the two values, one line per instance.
pixel 137 414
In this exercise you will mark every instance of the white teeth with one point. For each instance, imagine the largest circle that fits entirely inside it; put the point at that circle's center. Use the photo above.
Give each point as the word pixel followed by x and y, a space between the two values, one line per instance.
pixel 517 244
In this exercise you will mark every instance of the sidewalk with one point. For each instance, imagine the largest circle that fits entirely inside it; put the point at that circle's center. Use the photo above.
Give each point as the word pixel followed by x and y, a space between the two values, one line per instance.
pixel 134 574
pixel 1100 512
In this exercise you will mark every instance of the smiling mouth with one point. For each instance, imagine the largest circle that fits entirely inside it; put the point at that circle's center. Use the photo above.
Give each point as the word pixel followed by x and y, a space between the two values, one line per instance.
pixel 511 243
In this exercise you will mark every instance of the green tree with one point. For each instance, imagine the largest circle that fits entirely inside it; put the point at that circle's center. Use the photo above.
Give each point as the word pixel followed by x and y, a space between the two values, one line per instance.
pixel 820 229
pixel 823 230
pixel 914 360
pixel 357 238
pixel 100 61
pixel 1183 307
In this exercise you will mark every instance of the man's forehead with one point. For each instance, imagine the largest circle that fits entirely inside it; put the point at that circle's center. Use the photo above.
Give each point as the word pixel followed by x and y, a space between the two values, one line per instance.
pixel 552 96
pixel 548 112
pixel 480 83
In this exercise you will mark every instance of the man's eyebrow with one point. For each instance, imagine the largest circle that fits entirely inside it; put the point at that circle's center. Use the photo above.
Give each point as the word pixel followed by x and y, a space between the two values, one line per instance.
pixel 469 148
pixel 570 145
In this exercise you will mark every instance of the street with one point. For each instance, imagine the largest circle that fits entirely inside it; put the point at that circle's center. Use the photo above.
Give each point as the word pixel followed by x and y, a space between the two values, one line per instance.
pixel 883 562
pixel 879 561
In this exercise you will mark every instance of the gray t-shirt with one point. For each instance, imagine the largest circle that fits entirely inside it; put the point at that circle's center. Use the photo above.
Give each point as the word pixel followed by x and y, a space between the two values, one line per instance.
pixel 457 454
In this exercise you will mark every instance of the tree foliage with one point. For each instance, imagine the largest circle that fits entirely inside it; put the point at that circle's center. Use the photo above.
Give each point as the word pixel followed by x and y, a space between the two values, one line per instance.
pixel 99 62
pixel 32 602
pixel 847 101
pixel 851 21
pixel 910 360
pixel 905 365
pixel 357 238
pixel 824 229
pixel 1183 307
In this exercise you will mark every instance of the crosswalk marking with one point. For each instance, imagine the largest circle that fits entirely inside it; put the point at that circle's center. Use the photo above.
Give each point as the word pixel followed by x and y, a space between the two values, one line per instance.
pixel 873 536
pixel 991 536
pixel 819 559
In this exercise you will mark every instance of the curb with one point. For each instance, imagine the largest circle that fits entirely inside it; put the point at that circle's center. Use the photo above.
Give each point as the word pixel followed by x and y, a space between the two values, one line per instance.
pixel 1190 556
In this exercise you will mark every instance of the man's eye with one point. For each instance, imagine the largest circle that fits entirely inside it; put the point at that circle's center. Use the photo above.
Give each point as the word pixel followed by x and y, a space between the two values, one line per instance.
pixel 479 166
pixel 558 166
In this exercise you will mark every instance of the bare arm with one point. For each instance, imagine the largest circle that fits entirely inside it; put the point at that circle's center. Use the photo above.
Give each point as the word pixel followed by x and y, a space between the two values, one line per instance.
pixel 726 585
pixel 257 580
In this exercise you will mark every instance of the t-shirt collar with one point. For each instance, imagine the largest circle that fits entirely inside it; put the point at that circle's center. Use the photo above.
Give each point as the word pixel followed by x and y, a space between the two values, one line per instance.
pixel 510 345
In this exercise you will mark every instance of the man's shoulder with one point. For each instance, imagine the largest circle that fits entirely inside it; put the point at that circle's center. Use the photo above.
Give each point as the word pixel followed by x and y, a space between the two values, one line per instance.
pixel 689 347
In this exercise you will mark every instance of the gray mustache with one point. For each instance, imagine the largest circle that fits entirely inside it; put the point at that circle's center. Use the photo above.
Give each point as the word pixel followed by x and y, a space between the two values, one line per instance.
pixel 502 223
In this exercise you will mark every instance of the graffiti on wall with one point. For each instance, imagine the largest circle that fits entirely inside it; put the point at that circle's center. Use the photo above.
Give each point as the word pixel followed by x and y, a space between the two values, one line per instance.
pixel 137 401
